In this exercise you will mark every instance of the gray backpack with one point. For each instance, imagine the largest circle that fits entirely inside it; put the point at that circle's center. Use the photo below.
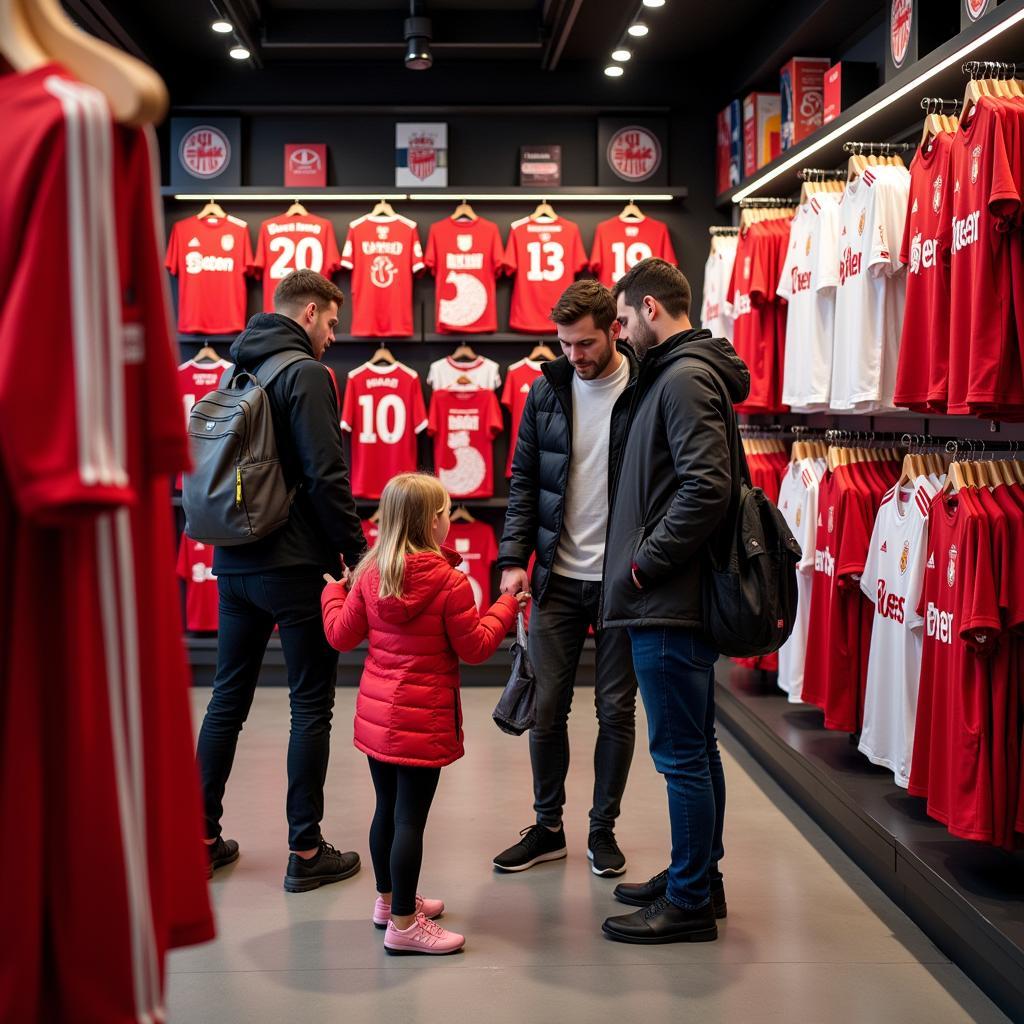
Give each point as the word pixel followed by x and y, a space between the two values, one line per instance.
pixel 236 492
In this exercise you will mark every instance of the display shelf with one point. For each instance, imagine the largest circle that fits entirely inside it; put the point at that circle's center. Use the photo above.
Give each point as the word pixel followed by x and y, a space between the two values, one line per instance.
pixel 475 193
pixel 499 338
pixel 893 111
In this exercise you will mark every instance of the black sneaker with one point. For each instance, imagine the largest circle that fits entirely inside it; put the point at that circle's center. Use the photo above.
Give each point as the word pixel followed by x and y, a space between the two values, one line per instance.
pixel 643 894
pixel 329 865
pixel 538 844
pixel 605 856
pixel 221 854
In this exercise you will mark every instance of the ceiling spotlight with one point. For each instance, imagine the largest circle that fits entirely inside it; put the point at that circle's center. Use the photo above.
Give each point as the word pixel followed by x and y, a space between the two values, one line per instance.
pixel 239 53
pixel 223 27
pixel 613 71
pixel 417 44
pixel 621 55
pixel 637 29
pixel 654 3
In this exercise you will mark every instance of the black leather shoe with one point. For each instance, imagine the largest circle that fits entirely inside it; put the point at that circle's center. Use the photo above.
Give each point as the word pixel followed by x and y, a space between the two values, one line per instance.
pixel 663 922
pixel 221 853
pixel 643 894
pixel 329 865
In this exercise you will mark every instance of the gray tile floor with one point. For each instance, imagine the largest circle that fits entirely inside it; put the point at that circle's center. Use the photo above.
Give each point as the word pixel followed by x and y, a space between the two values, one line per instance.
pixel 808 937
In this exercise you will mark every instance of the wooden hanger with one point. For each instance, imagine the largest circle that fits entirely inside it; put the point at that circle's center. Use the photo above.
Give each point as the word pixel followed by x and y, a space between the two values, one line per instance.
pixel 464 353
pixel 207 352
pixel 383 355
pixel 955 479
pixel 631 212
pixel 211 209
pixel 544 211
pixel 296 210
pixel 383 209
pixel 464 210
pixel 135 92
pixel 461 514
pixel 540 351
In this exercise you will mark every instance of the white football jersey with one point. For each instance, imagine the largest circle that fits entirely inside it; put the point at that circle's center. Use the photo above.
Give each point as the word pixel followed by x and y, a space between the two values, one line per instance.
pixel 869 289
pixel 808 284
pixel 798 503
pixel 444 374
pixel 892 580
pixel 715 311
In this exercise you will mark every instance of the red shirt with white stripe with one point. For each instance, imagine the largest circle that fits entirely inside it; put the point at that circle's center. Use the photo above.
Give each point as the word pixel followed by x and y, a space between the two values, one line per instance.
pixel 464 425
pixel 298 242
pixel 619 245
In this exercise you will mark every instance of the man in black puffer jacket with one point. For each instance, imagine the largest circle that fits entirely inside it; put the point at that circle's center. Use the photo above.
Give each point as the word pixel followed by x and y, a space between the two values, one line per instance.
pixel 278 580
pixel 570 435
pixel 674 488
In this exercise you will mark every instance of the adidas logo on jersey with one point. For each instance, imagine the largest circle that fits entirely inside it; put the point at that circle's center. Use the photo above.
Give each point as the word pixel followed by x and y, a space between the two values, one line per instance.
pixel 913 209
pixel 885 545
pixel 524 389
pixel 194 243
pixel 931 561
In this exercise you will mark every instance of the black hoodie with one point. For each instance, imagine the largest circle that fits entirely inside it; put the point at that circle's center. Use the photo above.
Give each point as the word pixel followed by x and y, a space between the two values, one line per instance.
pixel 323 520
pixel 674 484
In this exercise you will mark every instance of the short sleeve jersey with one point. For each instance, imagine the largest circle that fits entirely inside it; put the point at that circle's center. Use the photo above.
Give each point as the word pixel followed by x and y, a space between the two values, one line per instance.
pixel 465 258
pixel 195 567
pixel 619 245
pixel 210 257
pixel 921 375
pixel 715 313
pixel 299 242
pixel 518 380
pixel 545 257
pixel 464 425
pixel 476 543
pixel 384 255
pixel 480 372
pixel 198 379
pixel 383 410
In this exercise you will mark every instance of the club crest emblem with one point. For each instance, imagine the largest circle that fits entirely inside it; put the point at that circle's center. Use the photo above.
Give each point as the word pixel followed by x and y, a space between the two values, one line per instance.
pixel 205 151
pixel 905 557
pixel 951 568
pixel 799 515
pixel 422 155
pixel 227 242
pixel 464 242
pixel 937 193
pixel 975 163
pixel 860 223
pixel 901 17
pixel 831 518
pixel 634 153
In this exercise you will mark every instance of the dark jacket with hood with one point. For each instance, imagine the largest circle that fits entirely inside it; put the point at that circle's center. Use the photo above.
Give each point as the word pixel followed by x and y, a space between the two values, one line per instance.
pixel 674 486
pixel 540 469
pixel 323 522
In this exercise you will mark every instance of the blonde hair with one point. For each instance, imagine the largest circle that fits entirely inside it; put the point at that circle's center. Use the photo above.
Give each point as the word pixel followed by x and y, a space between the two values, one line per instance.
pixel 408 505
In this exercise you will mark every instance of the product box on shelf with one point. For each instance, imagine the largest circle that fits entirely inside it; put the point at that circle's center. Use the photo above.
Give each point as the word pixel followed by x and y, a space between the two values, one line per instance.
pixel 729 147
pixel 801 85
pixel 914 28
pixel 761 130
pixel 305 165
pixel 845 84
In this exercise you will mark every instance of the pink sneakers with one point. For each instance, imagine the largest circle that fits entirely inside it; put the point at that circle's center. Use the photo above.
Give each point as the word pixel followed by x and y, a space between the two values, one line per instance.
pixel 422 936
pixel 428 908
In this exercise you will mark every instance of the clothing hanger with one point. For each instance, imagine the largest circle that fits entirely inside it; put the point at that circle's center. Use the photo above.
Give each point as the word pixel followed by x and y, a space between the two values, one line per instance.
pixel 631 212
pixel 383 209
pixel 540 352
pixel 464 210
pixel 464 353
pixel 955 479
pixel 211 209
pixel 383 355
pixel 135 92
pixel 462 514
pixel 207 352
pixel 544 211
pixel 296 210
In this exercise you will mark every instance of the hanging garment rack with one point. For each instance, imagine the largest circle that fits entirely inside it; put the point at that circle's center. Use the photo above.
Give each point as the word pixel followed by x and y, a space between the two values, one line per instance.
pixel 997 70
pixel 937 105
pixel 767 202
pixel 972 448
pixel 876 148
pixel 820 174
pixel 715 231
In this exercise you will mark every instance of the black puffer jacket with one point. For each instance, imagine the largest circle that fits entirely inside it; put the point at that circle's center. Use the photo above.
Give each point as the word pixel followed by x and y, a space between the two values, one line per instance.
pixel 303 405
pixel 674 487
pixel 540 469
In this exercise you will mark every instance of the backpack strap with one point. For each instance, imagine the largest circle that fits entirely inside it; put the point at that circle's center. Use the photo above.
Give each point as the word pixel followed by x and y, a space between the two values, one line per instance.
pixel 273 365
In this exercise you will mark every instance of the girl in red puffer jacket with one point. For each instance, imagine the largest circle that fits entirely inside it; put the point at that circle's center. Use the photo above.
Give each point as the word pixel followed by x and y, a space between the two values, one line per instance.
pixel 420 616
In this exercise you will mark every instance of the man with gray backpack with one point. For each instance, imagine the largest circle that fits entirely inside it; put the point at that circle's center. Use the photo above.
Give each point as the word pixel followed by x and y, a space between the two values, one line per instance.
pixel 270 490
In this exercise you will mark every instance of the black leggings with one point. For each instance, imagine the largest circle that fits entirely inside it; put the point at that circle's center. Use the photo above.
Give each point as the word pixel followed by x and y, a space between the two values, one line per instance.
pixel 404 796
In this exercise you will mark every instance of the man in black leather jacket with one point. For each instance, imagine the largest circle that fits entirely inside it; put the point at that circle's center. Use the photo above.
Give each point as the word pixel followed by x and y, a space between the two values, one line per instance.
pixel 278 580
pixel 571 431
pixel 672 491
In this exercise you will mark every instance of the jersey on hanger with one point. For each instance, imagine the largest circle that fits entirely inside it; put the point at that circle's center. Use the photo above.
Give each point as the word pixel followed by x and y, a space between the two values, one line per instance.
pixel 384 411
pixel 715 310
pixel 619 245
pixel 195 567
pixel 464 425
pixel 196 380
pixel 465 257
pixel 481 373
pixel 299 242
pixel 518 380
pixel 209 257
pixel 477 545
pixel 384 254
pixel 545 257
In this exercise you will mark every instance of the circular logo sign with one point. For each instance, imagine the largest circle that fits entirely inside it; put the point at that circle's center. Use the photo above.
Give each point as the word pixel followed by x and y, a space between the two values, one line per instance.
pixel 634 153
pixel 304 161
pixel 975 8
pixel 204 151
pixel 901 16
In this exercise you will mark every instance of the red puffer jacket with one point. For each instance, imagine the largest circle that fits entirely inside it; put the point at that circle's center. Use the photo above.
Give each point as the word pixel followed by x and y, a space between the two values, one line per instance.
pixel 408 709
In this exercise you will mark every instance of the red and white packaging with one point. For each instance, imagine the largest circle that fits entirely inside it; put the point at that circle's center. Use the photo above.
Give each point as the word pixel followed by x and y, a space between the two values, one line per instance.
pixel 762 129
pixel 802 88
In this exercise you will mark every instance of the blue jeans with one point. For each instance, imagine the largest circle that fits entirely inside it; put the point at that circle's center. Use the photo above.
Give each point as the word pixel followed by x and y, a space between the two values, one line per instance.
pixel 675 670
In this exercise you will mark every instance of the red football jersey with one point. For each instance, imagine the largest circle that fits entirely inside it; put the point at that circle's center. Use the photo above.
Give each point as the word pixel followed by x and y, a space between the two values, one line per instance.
pixel 384 411
pixel 371 531
pixel 823 592
pixel 465 257
pixel 619 245
pixel 95 735
pixel 384 254
pixel 520 377
pixel 299 242
pixel 545 257
pixel 477 545
pixel 210 257
pixel 194 381
pixel 464 425
pixel 195 567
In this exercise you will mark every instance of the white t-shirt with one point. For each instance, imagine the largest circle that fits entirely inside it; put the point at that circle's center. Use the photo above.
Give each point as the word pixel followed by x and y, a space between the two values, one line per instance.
pixel 798 503
pixel 892 580
pixel 869 289
pixel 580 553
pixel 715 311
pixel 444 374
pixel 808 285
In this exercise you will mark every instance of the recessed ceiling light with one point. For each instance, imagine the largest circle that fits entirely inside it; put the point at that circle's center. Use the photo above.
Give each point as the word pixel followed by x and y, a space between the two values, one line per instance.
pixel 223 27
pixel 239 53
pixel 621 55
pixel 613 71
pixel 637 29
pixel 654 3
